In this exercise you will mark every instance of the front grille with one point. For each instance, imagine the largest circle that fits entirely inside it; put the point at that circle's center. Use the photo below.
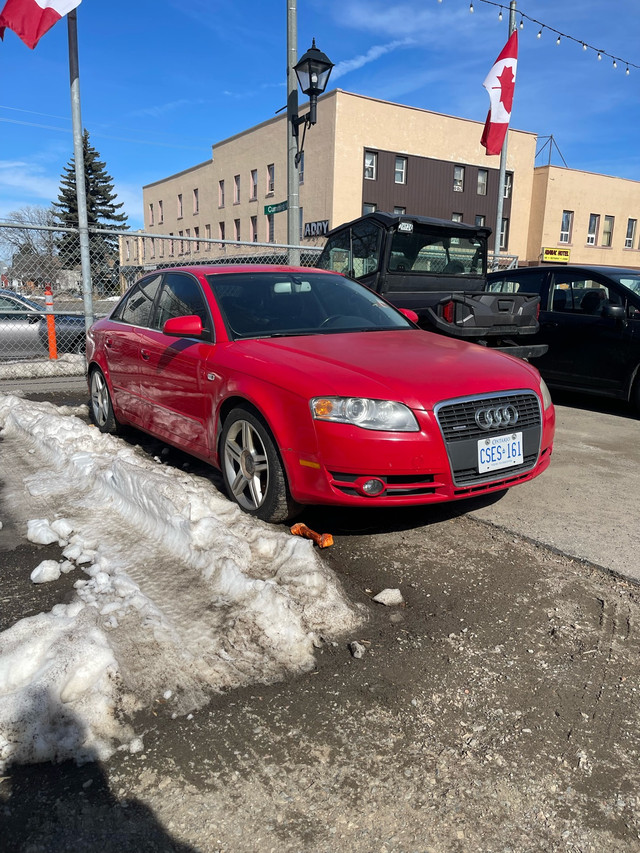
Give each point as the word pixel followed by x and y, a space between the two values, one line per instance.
pixel 457 419
pixel 461 433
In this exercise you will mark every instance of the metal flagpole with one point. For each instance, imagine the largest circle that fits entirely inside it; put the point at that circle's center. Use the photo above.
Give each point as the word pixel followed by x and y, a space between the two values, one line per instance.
pixel 293 178
pixel 81 190
pixel 503 154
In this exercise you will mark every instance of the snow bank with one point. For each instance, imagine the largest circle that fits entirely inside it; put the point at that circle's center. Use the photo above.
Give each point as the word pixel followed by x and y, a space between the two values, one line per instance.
pixel 67 364
pixel 182 593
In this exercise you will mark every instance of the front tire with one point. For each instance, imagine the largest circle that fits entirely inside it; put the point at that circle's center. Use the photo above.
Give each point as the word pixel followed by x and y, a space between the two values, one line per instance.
pixel 252 469
pixel 100 404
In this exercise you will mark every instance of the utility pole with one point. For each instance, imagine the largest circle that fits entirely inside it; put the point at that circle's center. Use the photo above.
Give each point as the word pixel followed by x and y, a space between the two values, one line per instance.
pixel 503 153
pixel 293 179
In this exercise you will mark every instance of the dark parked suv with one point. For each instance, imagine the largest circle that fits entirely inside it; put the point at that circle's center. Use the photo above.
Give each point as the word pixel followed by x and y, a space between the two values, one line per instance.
pixel 590 320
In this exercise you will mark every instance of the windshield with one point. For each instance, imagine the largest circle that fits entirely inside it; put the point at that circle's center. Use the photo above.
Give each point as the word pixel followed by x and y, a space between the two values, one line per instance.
pixel 425 251
pixel 268 304
pixel 630 280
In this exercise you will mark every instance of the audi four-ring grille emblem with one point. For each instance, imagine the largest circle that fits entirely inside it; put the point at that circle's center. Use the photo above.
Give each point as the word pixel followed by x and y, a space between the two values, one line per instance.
pixel 495 417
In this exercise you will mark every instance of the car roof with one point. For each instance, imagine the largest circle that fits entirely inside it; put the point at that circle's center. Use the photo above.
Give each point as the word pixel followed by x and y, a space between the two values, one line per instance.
pixel 572 268
pixel 388 219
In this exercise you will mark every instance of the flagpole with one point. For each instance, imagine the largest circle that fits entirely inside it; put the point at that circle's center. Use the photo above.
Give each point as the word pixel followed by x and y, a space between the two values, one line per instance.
pixel 503 154
pixel 78 154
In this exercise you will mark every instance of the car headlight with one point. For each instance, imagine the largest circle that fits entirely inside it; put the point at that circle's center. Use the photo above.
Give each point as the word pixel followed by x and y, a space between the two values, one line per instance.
pixel 546 396
pixel 365 413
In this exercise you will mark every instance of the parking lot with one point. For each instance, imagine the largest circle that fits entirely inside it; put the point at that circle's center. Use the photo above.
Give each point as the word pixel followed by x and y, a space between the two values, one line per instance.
pixel 497 709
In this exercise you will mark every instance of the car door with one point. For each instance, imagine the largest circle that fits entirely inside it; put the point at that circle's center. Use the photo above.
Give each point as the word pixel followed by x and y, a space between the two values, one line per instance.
pixel 589 348
pixel 173 378
pixel 122 347
pixel 19 333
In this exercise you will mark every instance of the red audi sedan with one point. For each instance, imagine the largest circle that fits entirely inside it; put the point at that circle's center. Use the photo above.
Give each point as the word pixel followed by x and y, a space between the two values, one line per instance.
pixel 305 387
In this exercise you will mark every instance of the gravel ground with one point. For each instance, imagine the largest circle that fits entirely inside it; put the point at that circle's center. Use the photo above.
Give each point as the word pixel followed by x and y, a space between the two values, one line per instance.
pixel 495 711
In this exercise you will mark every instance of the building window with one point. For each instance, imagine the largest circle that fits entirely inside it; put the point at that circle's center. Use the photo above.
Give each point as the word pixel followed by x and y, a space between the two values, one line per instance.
pixel 236 189
pixel 196 201
pixel 458 179
pixel 254 184
pixel 151 214
pixel 594 227
pixel 196 234
pixel 171 246
pixel 254 229
pixel 236 229
pixel 160 213
pixel 401 170
pixel 456 217
pixel 271 234
pixel 301 168
pixel 369 207
pixel 188 242
pixel 480 220
pixel 370 165
pixel 504 234
pixel 483 177
pixel 631 233
pixel 221 230
pixel 181 244
pixel 508 183
pixel 400 210
pixel 161 248
pixel 566 226
pixel 271 179
pixel 179 205
pixel 220 193
pixel 207 232
pixel 607 231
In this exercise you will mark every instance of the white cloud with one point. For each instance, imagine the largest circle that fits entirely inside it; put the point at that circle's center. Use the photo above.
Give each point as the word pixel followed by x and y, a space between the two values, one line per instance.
pixel 375 52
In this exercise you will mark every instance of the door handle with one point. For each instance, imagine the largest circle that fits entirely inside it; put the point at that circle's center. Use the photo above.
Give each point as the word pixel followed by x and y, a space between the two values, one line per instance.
pixel 549 325
pixel 145 354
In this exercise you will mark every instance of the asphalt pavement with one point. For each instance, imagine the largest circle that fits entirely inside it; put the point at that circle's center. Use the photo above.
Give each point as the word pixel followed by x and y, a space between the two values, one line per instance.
pixel 587 504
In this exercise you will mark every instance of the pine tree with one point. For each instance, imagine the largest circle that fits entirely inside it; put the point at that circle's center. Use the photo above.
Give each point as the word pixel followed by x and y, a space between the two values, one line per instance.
pixel 102 212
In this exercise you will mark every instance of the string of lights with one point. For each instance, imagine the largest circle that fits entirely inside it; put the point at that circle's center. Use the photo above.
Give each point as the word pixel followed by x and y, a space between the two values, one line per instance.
pixel 616 60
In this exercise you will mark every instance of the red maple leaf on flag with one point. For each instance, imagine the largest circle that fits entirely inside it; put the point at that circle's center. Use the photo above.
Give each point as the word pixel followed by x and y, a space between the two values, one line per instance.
pixel 507 82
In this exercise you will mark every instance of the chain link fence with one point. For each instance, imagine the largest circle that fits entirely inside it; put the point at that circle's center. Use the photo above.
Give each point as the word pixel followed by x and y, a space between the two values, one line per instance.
pixel 44 312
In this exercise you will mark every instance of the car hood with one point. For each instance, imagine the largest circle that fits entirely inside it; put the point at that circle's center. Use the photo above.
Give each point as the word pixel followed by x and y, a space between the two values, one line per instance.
pixel 416 367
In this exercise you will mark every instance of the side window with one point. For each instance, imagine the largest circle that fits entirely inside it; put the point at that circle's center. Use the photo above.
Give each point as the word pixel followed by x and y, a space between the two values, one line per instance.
pixel 576 294
pixel 363 241
pixel 136 307
pixel 181 296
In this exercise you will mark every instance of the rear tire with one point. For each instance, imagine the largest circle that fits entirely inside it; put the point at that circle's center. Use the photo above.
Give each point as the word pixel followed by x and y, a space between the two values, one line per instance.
pixel 252 469
pixel 100 406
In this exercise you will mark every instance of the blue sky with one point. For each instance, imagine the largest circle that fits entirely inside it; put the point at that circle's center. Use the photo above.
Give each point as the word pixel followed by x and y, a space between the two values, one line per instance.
pixel 162 80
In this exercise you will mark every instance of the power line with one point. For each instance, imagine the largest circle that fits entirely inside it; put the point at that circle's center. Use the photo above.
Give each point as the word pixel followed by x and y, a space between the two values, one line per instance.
pixel 560 35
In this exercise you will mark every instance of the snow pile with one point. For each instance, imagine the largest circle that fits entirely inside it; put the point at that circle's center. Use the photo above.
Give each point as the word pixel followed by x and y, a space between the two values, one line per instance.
pixel 181 594
pixel 67 364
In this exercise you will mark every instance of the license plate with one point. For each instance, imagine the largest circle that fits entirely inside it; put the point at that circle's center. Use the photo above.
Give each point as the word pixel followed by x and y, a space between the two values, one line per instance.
pixel 499 451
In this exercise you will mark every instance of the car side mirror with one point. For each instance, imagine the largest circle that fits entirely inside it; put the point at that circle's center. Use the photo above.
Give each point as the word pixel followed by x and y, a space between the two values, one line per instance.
pixel 189 326
pixel 614 312
pixel 409 314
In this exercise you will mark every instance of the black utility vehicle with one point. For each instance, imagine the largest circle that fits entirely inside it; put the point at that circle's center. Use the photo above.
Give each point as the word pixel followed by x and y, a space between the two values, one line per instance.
pixel 590 321
pixel 437 268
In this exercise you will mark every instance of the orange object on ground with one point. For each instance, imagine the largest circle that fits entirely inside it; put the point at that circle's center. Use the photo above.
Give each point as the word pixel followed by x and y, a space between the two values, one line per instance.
pixel 51 322
pixel 322 540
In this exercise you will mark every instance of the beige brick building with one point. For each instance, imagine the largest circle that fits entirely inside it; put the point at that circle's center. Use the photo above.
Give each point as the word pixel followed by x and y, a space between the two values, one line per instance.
pixel 364 154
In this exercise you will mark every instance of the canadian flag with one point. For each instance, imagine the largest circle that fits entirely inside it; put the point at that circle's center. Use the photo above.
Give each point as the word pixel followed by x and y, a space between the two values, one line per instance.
pixel 500 85
pixel 30 19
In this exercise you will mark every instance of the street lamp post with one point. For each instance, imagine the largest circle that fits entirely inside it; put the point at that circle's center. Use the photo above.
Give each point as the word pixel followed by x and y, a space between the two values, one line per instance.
pixel 312 72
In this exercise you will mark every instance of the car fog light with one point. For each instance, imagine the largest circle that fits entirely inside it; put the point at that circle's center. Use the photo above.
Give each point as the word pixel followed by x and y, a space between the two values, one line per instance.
pixel 373 487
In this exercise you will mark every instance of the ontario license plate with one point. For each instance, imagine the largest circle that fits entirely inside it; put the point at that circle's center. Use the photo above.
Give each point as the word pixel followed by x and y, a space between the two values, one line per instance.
pixel 499 451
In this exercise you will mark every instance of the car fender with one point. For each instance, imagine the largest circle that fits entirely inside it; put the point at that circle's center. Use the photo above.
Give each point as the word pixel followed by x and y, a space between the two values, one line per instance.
pixel 285 413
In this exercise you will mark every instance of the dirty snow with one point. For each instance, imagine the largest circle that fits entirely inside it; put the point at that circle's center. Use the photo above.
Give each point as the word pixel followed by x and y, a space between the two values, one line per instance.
pixel 177 592
pixel 67 364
